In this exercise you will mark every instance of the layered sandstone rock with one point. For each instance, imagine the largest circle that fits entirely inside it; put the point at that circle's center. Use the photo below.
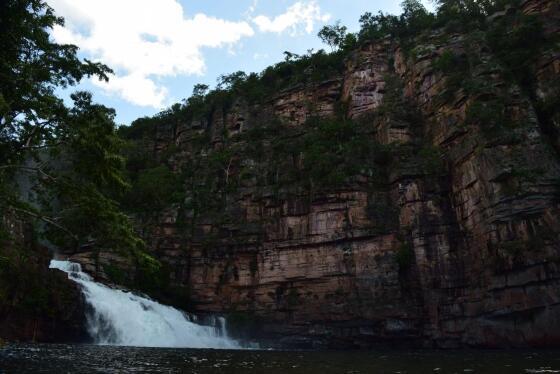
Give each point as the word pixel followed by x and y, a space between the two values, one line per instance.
pixel 463 253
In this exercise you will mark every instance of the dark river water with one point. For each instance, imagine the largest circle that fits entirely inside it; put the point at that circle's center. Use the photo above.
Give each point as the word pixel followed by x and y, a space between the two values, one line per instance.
pixel 104 359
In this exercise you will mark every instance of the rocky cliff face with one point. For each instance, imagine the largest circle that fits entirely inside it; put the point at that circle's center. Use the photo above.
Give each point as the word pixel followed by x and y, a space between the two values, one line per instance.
pixel 456 243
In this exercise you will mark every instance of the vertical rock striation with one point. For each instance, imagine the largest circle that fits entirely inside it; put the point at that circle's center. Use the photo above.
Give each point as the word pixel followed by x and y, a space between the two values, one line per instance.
pixel 455 244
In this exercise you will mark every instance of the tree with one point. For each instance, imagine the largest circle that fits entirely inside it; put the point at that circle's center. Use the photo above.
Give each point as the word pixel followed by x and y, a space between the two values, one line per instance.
pixel 232 80
pixel 415 17
pixel 68 158
pixel 466 14
pixel 153 189
pixel 289 56
pixel 200 89
pixel 333 35
pixel 31 68
pixel 378 26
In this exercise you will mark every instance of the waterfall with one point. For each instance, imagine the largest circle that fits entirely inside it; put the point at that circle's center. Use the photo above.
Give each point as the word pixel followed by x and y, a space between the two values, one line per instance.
pixel 118 317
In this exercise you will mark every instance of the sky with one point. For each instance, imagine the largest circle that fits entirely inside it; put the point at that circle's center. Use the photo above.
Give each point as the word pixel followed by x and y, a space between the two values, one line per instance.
pixel 159 49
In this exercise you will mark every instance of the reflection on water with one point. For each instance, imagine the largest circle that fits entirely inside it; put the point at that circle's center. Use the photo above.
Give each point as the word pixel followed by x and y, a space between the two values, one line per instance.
pixel 106 359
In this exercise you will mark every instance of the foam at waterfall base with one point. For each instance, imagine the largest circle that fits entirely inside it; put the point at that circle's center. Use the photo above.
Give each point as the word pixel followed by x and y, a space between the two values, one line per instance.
pixel 119 317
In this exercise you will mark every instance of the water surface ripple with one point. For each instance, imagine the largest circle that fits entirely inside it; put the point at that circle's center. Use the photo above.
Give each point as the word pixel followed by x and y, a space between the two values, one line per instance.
pixel 108 359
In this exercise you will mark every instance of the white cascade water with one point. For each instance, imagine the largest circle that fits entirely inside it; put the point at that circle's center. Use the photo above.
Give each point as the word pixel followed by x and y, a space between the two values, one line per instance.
pixel 119 317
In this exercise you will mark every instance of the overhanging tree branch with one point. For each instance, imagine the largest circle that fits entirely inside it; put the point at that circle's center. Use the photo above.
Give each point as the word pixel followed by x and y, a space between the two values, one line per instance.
pixel 29 168
pixel 47 220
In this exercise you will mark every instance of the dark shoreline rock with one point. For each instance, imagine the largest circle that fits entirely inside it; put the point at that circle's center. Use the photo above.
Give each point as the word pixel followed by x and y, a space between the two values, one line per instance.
pixel 43 305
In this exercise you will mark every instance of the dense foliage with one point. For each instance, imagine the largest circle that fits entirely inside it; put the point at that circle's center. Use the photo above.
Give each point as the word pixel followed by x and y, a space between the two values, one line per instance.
pixel 59 165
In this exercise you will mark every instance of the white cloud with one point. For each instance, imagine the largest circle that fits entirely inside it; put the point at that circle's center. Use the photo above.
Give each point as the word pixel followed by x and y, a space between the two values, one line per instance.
pixel 136 89
pixel 142 40
pixel 299 14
